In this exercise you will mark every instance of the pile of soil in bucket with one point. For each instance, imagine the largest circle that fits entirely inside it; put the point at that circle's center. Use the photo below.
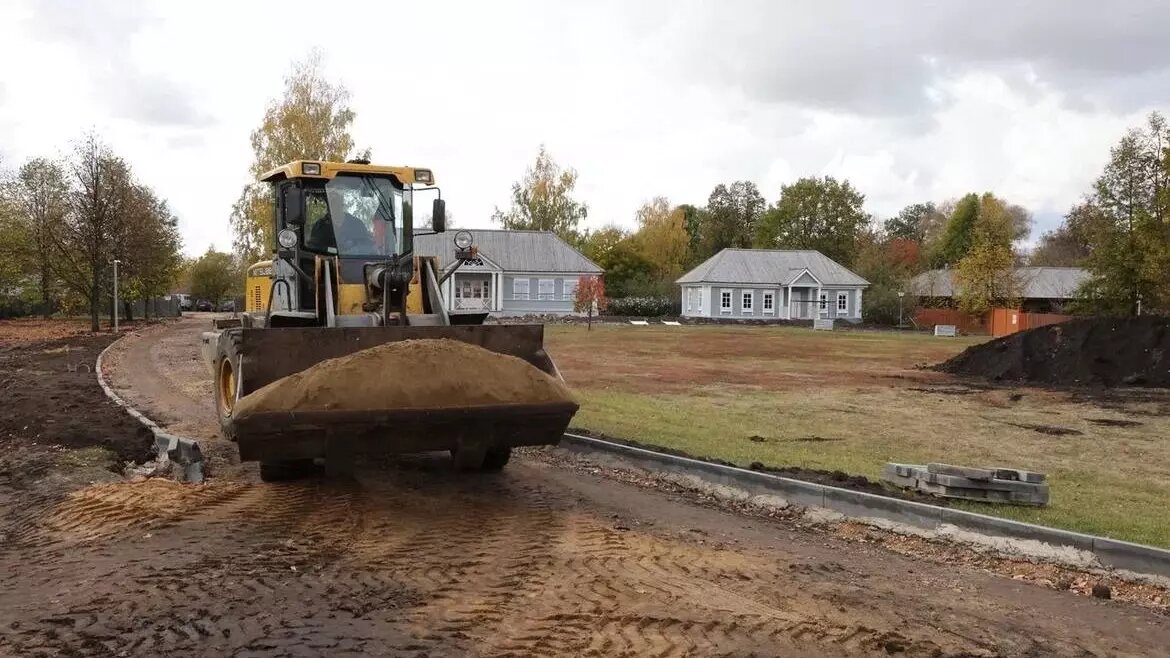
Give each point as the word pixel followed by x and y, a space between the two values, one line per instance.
pixel 409 374
pixel 1096 351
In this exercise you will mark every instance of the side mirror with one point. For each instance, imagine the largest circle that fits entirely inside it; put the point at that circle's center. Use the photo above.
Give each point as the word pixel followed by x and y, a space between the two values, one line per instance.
pixel 439 216
pixel 293 201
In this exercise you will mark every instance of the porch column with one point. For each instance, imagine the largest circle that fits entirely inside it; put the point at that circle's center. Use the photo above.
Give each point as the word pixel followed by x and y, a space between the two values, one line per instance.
pixel 499 293
pixel 818 304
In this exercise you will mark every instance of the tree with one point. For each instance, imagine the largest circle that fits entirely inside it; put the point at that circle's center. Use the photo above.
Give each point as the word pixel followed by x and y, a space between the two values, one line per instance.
pixel 213 276
pixel 732 214
pixel 590 297
pixel 627 271
pixel 955 241
pixel 543 201
pixel 311 121
pixel 815 213
pixel 695 219
pixel 1064 246
pixel 914 222
pixel 986 275
pixel 596 245
pixel 38 199
pixel 662 238
pixel 150 249
pixel 1125 222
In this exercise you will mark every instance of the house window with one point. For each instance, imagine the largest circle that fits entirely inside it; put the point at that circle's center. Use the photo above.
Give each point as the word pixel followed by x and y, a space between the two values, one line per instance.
pixel 546 288
pixel 569 288
pixel 769 302
pixel 748 298
pixel 824 299
pixel 842 303
pixel 690 298
pixel 519 288
pixel 725 301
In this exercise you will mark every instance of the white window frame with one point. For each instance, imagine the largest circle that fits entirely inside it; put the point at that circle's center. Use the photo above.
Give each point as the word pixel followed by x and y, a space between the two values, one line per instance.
pixel 516 292
pixel 748 296
pixel 702 292
pixel 569 289
pixel 725 309
pixel 552 289
pixel 843 296
pixel 823 302
pixel 690 299
pixel 768 302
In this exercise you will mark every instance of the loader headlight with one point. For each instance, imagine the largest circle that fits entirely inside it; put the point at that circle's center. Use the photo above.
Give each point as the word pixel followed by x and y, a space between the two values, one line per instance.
pixel 311 168
pixel 463 239
pixel 287 238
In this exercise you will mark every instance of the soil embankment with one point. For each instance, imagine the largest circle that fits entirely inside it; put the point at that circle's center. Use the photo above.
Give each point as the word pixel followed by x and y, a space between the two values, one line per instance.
pixel 1093 351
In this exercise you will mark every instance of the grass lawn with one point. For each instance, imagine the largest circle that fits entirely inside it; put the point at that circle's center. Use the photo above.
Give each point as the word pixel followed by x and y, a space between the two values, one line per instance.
pixel 853 400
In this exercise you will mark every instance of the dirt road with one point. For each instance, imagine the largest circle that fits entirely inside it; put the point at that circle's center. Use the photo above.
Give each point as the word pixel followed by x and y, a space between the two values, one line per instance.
pixel 410 559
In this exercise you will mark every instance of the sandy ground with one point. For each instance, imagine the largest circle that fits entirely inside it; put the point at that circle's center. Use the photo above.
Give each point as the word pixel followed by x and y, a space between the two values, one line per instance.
pixel 412 559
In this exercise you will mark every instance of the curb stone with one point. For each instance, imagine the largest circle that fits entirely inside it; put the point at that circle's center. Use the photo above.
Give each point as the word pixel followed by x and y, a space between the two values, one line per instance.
pixel 1110 553
pixel 181 452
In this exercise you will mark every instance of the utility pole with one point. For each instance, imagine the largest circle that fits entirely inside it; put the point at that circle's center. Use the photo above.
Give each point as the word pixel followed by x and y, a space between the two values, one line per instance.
pixel 116 261
pixel 900 296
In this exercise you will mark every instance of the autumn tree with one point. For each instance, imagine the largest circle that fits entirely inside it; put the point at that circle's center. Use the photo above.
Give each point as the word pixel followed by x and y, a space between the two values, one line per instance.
pixel 597 244
pixel 310 121
pixel 662 238
pixel 37 199
pixel 986 274
pixel 815 213
pixel 913 222
pixel 1125 222
pixel 731 216
pixel 213 276
pixel 149 248
pixel 590 298
pixel 955 241
pixel 1066 245
pixel 543 201
pixel 695 219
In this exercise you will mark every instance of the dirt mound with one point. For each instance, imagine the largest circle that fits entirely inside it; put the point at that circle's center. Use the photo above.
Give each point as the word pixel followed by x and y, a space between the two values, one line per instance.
pixel 1101 351
pixel 409 374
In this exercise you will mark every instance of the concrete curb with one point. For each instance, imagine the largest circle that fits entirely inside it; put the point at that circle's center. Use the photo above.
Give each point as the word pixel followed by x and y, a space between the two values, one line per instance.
pixel 178 450
pixel 1110 553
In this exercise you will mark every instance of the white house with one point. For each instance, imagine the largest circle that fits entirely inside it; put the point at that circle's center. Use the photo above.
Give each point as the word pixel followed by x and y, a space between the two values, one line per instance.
pixel 516 273
pixel 771 284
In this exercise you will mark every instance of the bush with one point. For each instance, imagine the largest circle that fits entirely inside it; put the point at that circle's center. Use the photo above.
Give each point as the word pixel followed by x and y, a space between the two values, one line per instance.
pixel 647 307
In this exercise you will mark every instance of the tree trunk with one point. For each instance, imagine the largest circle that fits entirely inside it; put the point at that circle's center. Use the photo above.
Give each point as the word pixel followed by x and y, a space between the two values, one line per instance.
pixel 93 307
pixel 589 320
pixel 45 310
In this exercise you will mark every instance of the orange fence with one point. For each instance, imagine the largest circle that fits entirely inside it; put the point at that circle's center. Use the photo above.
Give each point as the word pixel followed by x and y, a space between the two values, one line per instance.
pixel 997 322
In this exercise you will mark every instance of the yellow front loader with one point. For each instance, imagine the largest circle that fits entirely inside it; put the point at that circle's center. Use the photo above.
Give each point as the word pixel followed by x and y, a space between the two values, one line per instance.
pixel 344 277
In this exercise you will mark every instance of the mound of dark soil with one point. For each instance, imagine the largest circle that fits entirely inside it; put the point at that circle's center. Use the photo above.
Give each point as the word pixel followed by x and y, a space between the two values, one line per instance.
pixel 52 397
pixel 1096 351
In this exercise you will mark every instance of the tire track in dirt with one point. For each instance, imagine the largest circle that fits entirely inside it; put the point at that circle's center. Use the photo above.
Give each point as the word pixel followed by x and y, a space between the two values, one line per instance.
pixel 413 559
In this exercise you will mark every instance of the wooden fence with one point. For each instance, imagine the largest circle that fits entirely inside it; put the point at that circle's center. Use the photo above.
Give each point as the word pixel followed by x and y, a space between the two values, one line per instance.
pixel 996 322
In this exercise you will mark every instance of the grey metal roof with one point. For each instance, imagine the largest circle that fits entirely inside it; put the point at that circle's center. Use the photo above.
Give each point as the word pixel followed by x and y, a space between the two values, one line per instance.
pixel 1035 282
pixel 513 251
pixel 770 267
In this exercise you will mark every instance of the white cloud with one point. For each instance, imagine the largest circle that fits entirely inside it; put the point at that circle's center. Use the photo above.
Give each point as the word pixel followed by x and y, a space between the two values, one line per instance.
pixel 644 100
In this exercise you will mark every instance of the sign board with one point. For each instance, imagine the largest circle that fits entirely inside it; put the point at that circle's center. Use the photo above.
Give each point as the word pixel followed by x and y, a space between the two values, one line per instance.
pixel 949 330
pixel 639 323
pixel 823 324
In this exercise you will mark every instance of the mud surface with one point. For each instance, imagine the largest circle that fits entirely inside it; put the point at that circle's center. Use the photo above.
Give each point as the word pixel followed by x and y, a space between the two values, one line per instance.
pixel 412 559
pixel 1098 351
pixel 51 397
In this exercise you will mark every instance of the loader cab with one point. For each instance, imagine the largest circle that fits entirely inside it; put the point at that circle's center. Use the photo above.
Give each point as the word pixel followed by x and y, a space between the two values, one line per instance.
pixel 347 224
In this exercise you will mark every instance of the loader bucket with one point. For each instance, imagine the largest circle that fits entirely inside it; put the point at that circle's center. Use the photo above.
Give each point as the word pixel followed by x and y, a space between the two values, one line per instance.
pixel 258 357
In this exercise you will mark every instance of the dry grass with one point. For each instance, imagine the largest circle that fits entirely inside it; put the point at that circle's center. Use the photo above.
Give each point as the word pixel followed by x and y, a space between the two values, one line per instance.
pixel 854 400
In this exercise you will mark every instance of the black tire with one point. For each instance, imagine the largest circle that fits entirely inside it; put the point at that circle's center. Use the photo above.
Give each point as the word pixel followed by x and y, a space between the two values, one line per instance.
pixel 226 363
pixel 286 469
pixel 495 459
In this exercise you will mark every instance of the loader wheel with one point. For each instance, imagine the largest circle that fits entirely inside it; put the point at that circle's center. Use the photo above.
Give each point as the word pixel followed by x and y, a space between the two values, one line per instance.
pixel 495 459
pixel 225 395
pixel 286 469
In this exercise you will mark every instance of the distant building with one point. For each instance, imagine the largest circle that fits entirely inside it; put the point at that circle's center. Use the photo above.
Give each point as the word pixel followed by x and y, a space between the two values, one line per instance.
pixel 771 284
pixel 1042 289
pixel 516 273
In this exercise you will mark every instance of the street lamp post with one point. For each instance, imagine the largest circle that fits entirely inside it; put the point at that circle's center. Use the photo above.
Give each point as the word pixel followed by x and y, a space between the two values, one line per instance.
pixel 116 261
pixel 900 296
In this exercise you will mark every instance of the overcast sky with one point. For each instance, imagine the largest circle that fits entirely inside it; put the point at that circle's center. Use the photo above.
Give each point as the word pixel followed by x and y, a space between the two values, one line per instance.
pixel 910 101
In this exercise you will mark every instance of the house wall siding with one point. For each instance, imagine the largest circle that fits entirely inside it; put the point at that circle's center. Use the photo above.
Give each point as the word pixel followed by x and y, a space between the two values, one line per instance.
pixel 534 304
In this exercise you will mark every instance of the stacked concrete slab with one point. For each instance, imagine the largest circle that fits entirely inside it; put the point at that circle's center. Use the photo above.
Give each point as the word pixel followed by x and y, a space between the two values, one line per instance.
pixel 991 485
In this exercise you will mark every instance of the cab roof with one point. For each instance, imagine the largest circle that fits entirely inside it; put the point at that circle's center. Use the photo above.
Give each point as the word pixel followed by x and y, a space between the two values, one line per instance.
pixel 328 170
